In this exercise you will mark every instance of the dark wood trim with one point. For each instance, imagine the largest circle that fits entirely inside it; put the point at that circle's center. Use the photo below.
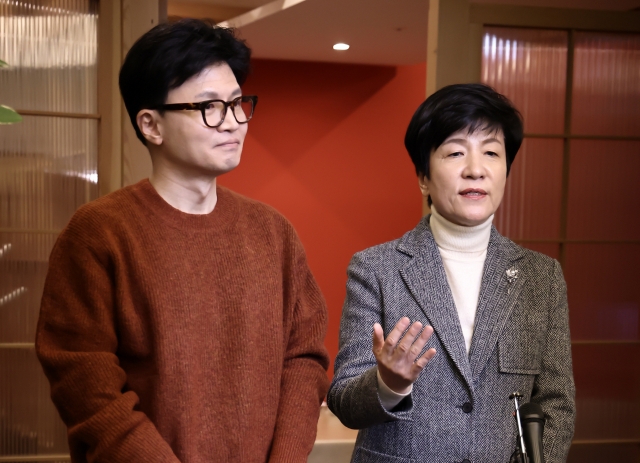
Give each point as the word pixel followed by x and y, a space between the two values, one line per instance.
pixel 109 103
pixel 202 10
pixel 605 342
pixel 564 241
pixel 566 150
pixel 30 231
pixel 31 112
pixel 583 137
pixel 17 345
pixel 606 442
pixel 555 18
pixel 34 458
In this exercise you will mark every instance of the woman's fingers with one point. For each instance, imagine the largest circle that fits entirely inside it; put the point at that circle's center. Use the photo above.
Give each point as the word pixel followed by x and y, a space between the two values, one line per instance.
pixel 404 346
pixel 420 342
pixel 422 361
pixel 399 347
pixel 395 335
pixel 398 356
pixel 378 338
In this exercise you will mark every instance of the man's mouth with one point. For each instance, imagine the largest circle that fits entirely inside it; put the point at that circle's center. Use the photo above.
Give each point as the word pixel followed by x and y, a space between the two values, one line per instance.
pixel 229 143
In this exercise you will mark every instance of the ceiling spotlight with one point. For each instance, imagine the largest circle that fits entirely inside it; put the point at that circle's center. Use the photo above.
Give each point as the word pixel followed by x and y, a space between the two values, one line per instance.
pixel 341 46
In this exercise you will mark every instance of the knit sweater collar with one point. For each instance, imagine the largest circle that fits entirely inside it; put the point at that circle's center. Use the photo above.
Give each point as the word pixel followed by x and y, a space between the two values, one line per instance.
pixel 458 238
pixel 223 215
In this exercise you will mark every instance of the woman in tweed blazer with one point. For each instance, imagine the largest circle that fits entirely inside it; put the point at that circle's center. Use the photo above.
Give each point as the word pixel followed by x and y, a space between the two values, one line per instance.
pixel 454 331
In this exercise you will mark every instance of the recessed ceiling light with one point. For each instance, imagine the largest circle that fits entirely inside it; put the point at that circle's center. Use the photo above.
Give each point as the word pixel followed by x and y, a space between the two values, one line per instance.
pixel 341 46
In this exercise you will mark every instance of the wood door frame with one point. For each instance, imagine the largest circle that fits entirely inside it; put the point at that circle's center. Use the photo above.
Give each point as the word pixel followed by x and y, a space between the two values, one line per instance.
pixel 455 48
pixel 122 159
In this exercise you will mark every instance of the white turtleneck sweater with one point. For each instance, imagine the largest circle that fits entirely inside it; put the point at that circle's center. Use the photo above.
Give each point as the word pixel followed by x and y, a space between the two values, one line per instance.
pixel 463 251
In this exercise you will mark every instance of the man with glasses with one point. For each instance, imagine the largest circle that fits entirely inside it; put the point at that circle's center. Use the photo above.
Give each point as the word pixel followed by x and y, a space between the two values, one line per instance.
pixel 180 321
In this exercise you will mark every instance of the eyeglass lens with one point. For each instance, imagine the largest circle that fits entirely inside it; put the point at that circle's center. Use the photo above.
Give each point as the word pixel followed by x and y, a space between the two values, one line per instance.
pixel 215 111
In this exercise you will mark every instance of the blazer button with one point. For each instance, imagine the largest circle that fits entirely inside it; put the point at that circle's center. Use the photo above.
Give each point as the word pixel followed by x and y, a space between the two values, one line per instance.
pixel 465 461
pixel 467 408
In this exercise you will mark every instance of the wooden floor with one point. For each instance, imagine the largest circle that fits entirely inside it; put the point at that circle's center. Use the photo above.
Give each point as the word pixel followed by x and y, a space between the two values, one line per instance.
pixel 334 442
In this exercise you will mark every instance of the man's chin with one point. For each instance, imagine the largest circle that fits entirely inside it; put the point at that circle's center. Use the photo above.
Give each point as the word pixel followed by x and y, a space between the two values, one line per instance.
pixel 223 168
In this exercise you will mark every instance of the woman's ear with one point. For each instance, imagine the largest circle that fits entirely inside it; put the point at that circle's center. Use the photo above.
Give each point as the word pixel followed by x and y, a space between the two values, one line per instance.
pixel 423 183
pixel 149 125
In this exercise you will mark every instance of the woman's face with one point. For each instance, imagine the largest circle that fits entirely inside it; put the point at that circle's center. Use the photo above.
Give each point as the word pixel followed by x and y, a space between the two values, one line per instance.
pixel 468 175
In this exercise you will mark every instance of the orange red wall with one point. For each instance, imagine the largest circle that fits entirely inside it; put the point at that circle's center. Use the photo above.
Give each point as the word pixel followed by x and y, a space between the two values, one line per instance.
pixel 326 149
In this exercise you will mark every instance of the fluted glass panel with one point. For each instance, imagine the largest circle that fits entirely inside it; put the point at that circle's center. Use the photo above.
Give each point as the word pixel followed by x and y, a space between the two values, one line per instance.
pixel 604 298
pixel 48 168
pixel 23 268
pixel 531 207
pixel 51 47
pixel 603 192
pixel 529 67
pixel 29 423
pixel 606 84
pixel 607 391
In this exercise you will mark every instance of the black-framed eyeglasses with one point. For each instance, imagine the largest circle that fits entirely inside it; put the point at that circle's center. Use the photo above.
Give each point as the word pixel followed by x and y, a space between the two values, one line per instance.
pixel 214 111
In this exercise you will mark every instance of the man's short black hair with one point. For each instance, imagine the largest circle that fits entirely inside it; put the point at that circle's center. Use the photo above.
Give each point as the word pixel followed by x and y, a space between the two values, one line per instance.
pixel 457 107
pixel 170 54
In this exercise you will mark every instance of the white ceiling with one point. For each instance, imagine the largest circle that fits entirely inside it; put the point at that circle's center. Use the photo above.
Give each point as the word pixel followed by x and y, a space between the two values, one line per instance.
pixel 384 32
pixel 378 31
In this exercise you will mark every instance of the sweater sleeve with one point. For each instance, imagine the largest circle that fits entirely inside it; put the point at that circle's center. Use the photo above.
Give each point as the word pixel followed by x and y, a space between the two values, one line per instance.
pixel 304 380
pixel 76 343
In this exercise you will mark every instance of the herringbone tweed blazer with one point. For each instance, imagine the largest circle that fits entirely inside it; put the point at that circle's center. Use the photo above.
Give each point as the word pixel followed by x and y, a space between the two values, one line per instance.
pixel 459 409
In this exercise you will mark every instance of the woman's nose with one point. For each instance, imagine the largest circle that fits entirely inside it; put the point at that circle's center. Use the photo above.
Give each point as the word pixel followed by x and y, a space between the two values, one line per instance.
pixel 474 167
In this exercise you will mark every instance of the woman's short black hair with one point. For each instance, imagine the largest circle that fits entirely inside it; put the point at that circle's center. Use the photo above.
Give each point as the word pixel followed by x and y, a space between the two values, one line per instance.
pixel 169 54
pixel 457 107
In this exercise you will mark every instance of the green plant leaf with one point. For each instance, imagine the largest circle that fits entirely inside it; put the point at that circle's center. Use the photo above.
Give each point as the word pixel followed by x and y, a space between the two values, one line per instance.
pixel 8 115
pixel 3 64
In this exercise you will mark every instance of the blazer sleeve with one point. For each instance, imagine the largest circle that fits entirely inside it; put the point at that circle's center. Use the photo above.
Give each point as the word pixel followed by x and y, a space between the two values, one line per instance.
pixel 554 387
pixel 353 395
pixel 76 343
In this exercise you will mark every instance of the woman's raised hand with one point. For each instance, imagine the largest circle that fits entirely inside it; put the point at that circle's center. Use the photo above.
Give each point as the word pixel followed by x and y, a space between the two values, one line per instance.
pixel 397 356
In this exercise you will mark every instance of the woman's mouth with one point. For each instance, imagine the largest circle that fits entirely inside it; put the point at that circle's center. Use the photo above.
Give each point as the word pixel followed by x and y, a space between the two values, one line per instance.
pixel 473 193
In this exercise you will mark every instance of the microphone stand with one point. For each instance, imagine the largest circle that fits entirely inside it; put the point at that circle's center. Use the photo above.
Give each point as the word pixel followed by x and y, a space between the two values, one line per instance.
pixel 521 456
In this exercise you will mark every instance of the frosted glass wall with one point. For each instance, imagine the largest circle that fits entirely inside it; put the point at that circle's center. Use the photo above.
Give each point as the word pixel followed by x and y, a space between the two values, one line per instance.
pixel 48 168
pixel 571 195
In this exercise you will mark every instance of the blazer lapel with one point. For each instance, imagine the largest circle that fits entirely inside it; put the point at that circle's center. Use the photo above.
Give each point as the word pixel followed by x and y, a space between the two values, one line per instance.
pixel 501 284
pixel 426 279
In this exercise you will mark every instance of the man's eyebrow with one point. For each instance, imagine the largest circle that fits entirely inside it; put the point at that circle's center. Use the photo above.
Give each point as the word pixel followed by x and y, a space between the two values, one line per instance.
pixel 211 95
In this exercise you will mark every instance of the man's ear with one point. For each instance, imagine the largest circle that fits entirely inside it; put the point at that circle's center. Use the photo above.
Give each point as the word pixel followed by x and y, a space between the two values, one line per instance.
pixel 423 183
pixel 149 124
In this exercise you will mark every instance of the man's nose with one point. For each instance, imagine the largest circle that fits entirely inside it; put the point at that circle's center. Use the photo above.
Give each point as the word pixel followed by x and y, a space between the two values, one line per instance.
pixel 229 122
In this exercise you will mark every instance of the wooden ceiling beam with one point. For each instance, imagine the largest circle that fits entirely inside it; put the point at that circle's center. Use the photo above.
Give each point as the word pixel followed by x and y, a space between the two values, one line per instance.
pixel 215 13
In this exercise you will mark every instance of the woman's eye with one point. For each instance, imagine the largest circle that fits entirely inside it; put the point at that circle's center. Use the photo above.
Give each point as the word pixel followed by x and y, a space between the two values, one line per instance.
pixel 491 153
pixel 456 154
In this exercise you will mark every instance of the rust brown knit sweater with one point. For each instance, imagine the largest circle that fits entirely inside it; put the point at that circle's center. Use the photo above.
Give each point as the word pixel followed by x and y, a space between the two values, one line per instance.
pixel 176 337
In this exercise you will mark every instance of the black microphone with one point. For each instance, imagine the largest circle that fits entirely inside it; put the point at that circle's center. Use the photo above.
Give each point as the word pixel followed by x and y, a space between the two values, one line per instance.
pixel 533 419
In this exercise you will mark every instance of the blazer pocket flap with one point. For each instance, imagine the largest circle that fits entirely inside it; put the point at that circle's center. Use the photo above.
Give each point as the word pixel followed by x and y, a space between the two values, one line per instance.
pixel 522 359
